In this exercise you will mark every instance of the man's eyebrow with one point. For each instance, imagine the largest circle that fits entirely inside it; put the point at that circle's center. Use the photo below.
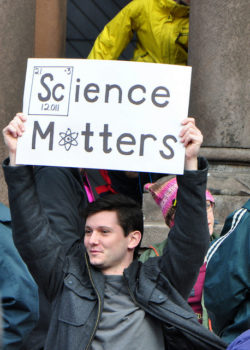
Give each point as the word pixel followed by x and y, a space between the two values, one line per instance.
pixel 99 227
pixel 105 227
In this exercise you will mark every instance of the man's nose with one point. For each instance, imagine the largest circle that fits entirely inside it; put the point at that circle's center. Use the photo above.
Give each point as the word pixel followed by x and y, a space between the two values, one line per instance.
pixel 94 239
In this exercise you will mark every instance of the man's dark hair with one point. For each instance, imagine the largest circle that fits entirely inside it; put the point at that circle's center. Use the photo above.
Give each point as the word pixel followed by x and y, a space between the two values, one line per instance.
pixel 129 213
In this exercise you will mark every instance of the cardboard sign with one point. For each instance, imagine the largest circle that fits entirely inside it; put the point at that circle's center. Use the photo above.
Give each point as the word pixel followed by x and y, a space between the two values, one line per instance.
pixel 104 114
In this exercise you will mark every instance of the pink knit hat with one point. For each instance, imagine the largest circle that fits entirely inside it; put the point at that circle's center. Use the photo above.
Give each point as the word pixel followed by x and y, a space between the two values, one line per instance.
pixel 165 193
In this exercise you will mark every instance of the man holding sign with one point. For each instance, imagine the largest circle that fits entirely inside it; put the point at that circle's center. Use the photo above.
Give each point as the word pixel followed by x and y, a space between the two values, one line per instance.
pixel 103 298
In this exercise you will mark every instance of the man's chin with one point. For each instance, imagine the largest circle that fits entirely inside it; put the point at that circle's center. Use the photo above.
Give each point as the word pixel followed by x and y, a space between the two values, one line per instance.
pixel 95 262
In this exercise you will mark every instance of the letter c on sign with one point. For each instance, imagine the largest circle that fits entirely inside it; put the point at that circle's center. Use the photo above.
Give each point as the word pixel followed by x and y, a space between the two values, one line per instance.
pixel 131 90
pixel 54 92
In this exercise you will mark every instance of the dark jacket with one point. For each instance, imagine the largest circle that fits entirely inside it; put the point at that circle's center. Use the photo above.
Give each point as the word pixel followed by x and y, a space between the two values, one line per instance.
pixel 76 289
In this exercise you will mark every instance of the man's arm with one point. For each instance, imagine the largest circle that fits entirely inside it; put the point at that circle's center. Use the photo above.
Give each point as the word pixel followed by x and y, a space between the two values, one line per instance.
pixel 39 245
pixel 11 132
pixel 60 190
pixel 191 138
pixel 61 194
pixel 188 240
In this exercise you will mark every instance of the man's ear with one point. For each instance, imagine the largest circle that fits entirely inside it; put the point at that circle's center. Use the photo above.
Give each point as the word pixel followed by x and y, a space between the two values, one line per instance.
pixel 134 239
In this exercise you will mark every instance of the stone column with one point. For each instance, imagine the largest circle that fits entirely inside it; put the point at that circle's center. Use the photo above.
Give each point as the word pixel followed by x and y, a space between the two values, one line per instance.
pixel 17 23
pixel 50 28
pixel 28 28
pixel 219 53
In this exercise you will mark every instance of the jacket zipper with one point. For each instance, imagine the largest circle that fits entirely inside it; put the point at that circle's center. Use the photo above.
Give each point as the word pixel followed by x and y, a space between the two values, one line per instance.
pixel 99 305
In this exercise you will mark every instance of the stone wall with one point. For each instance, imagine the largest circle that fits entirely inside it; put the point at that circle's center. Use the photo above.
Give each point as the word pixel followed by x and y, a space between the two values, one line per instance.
pixel 219 55
pixel 17 23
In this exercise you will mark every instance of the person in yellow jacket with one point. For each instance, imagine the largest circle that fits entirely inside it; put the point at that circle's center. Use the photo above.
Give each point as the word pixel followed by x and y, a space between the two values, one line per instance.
pixel 162 28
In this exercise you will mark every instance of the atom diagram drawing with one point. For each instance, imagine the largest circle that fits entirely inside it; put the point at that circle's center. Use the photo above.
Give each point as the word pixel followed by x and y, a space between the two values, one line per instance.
pixel 68 139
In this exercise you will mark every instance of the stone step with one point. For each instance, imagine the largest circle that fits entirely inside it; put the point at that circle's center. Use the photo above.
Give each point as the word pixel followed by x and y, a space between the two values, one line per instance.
pixel 230 187
pixel 224 205
pixel 154 232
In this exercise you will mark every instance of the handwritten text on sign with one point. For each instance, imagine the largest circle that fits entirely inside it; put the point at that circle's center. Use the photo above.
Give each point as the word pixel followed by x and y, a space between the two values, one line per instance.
pixel 104 114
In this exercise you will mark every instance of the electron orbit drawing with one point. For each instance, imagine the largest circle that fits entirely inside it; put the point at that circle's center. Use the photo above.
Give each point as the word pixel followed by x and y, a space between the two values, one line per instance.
pixel 68 139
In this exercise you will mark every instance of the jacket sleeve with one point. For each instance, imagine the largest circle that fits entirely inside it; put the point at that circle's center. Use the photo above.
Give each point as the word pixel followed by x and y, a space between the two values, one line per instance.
pixel 188 240
pixel 61 194
pixel 117 33
pixel 40 247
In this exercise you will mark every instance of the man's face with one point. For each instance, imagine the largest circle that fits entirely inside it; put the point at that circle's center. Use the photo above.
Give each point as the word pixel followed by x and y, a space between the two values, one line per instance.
pixel 107 247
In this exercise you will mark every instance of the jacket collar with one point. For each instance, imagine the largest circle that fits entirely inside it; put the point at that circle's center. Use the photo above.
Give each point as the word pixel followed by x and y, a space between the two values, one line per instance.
pixel 136 277
pixel 247 205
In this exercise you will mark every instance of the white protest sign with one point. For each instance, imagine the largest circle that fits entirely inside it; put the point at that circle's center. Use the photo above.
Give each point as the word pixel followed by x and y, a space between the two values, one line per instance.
pixel 104 114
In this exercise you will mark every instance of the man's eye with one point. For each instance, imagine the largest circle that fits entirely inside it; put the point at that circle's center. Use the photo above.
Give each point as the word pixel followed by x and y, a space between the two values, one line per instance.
pixel 105 232
pixel 87 232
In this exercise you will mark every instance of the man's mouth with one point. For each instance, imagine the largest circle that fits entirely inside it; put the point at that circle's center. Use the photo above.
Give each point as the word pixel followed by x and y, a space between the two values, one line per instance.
pixel 94 251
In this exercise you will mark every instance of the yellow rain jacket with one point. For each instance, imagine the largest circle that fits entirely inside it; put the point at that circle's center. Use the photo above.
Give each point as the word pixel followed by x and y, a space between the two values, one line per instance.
pixel 162 28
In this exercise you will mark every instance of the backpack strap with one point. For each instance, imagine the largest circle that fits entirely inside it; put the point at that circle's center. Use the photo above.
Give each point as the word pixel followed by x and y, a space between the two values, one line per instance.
pixel 154 249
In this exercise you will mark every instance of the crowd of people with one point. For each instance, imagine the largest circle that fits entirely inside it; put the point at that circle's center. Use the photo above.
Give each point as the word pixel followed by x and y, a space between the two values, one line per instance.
pixel 72 273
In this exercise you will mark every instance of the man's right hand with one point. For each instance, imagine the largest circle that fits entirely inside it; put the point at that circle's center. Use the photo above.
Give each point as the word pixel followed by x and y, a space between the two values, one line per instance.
pixel 11 133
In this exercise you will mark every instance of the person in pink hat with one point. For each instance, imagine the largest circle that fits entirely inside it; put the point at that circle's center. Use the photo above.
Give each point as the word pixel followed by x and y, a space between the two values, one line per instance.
pixel 165 194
